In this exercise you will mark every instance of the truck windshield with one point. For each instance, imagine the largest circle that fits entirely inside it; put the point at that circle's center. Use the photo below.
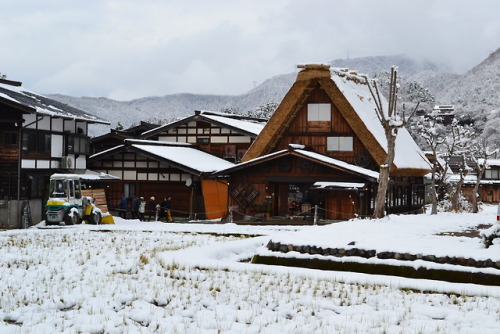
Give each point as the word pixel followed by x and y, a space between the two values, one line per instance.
pixel 58 188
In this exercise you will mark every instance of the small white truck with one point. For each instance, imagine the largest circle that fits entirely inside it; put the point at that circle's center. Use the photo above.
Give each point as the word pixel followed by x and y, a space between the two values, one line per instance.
pixel 66 204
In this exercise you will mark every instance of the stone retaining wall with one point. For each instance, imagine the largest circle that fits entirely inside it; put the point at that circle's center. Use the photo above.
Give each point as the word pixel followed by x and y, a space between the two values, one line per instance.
pixel 364 253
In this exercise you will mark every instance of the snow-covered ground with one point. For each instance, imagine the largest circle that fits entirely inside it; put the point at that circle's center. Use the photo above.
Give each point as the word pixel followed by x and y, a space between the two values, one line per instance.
pixel 143 277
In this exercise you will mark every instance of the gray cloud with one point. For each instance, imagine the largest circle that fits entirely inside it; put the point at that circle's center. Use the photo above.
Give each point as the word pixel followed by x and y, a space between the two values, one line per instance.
pixel 128 49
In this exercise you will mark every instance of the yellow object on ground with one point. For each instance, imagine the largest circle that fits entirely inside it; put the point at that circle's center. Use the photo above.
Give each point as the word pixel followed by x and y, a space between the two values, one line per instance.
pixel 107 220
pixel 88 210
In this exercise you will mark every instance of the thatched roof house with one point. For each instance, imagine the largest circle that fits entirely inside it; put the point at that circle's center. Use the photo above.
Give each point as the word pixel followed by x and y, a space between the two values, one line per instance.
pixel 324 145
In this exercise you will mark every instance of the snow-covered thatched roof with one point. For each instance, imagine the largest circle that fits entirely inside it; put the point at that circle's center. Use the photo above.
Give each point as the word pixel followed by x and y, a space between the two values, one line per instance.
pixel 349 92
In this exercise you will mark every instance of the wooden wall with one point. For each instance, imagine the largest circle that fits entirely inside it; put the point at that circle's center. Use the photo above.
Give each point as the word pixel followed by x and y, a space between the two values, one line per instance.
pixel 314 134
pixel 273 180
pixel 217 140
pixel 8 163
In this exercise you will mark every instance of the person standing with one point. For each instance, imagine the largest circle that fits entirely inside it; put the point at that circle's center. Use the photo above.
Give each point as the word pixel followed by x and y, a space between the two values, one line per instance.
pixel 123 207
pixel 166 205
pixel 152 208
pixel 142 208
pixel 135 207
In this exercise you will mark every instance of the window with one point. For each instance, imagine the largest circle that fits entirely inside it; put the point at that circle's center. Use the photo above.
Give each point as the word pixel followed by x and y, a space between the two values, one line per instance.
pixel 78 189
pixel 339 144
pixel 36 142
pixel 10 138
pixel 77 144
pixel 319 112
pixel 203 140
pixel 491 174
pixel 229 151
pixel 129 190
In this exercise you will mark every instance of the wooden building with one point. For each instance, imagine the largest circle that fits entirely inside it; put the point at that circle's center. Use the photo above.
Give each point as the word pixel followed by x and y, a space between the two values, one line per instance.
pixel 489 185
pixel 227 136
pixel 151 168
pixel 214 138
pixel 116 137
pixel 323 146
pixel 39 137
pixel 489 191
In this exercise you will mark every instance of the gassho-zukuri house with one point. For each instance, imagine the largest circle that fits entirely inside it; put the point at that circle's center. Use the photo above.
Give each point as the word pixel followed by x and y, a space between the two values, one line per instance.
pixel 323 146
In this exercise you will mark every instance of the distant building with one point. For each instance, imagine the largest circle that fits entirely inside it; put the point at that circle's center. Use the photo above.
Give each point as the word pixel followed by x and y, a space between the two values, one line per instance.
pixel 446 113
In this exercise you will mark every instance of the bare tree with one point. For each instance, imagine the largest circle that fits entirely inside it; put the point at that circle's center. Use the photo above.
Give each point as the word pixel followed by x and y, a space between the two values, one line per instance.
pixel 458 144
pixel 483 153
pixel 391 121
pixel 432 131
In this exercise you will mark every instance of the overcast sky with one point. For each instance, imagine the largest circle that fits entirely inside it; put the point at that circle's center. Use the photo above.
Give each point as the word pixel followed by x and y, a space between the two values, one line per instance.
pixel 127 49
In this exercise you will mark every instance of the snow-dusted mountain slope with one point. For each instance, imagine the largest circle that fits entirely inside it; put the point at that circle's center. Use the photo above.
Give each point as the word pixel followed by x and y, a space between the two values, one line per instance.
pixel 475 88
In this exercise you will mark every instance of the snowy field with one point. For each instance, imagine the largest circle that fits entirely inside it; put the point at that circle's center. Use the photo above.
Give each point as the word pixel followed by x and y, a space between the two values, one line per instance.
pixel 151 277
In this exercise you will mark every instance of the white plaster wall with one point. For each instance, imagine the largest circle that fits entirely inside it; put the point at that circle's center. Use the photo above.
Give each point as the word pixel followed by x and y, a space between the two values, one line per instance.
pixel 25 163
pixel 29 118
pixel 81 162
pixel 56 149
pixel 57 124
pixel 44 123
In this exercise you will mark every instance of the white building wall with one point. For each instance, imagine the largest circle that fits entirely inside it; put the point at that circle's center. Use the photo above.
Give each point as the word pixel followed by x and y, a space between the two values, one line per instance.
pixel 56 149
pixel 29 119
pixel 81 162
pixel 57 125
pixel 44 123
pixel 69 125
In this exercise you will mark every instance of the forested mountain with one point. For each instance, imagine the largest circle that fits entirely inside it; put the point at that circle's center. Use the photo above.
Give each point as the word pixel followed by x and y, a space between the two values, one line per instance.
pixel 476 89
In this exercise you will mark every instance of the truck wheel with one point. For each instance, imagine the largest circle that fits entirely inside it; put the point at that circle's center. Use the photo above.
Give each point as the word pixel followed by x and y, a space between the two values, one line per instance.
pixel 94 218
pixel 70 219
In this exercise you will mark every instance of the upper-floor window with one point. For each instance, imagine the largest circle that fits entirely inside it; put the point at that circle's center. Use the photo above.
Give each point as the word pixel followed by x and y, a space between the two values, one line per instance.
pixel 77 144
pixel 10 138
pixel 491 174
pixel 319 112
pixel 339 144
pixel 36 142
pixel 201 140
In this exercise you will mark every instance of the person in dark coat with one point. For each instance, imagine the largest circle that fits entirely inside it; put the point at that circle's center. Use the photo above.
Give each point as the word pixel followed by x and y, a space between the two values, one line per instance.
pixel 165 208
pixel 151 208
pixel 136 202
pixel 123 207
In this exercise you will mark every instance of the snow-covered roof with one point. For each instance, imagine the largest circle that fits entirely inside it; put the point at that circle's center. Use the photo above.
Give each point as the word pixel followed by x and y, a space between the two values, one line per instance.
pixel 356 91
pixel 189 157
pixel 184 155
pixel 45 106
pixel 250 125
pixel 312 155
pixel 245 125
pixel 346 185
pixel 87 175
pixel 339 163
pixel 489 162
